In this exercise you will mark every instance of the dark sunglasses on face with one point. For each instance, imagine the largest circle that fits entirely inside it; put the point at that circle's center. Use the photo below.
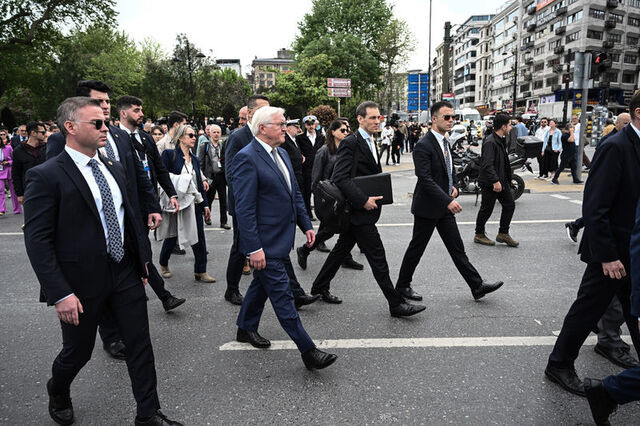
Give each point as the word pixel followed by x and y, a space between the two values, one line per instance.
pixel 343 130
pixel 97 123
pixel 191 135
pixel 448 117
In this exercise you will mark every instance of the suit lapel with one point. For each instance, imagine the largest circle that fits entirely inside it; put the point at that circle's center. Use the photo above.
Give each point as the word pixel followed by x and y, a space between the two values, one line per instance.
pixel 366 151
pixel 70 168
pixel 436 146
pixel 269 160
pixel 635 141
pixel 120 142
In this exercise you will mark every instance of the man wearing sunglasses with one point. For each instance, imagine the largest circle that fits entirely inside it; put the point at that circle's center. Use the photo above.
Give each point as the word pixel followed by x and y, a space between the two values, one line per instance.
pixel 26 155
pixel 434 206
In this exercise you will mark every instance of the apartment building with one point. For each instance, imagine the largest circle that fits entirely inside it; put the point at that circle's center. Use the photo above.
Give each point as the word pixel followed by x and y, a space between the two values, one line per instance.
pixel 264 69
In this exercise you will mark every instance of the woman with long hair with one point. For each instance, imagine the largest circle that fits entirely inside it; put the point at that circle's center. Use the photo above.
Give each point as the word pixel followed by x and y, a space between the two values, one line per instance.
pixel 551 147
pixel 187 225
pixel 6 159
pixel 322 169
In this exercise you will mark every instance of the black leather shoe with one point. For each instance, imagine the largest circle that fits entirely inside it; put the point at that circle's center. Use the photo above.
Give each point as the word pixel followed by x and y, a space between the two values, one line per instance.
pixel 252 337
pixel 178 250
pixel 572 231
pixel 224 226
pixel 306 299
pixel 329 298
pixel 485 288
pixel 317 359
pixel 234 298
pixel 408 293
pixel 322 248
pixel 601 404
pixel 352 264
pixel 116 350
pixel 60 407
pixel 302 257
pixel 566 378
pixel 158 419
pixel 172 302
pixel 406 310
pixel 618 356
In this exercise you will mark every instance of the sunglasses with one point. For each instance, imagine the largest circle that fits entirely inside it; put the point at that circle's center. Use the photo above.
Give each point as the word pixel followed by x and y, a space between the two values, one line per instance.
pixel 448 117
pixel 97 123
pixel 191 135
pixel 343 130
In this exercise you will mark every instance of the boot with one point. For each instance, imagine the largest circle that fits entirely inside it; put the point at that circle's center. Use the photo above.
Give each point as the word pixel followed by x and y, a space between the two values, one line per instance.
pixel 166 273
pixel 204 277
pixel 483 239
pixel 506 238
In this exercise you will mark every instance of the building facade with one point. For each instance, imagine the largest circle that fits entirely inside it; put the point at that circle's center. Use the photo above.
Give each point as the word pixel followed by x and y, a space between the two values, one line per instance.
pixel 234 64
pixel 264 70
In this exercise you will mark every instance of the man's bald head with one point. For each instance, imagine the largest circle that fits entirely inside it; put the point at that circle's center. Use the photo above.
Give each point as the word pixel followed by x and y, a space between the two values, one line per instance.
pixel 622 120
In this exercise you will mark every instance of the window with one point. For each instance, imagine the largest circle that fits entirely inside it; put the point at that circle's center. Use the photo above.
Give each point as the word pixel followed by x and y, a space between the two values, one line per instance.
pixel 617 17
pixel 575 17
pixel 525 87
pixel 573 37
pixel 634 22
pixel 615 57
pixel 616 38
pixel 596 13
pixel 270 75
pixel 552 81
pixel 513 15
pixel 539 34
pixel 538 67
pixel 555 25
pixel 632 41
pixel 539 50
pixel 628 78
pixel 597 35
pixel 634 3
pixel 611 76
pixel 554 44
pixel 499 26
pixel 630 59
pixel 537 84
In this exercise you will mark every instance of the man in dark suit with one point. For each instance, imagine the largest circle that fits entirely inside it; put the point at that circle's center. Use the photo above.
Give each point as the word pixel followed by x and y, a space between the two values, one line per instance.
pixel 141 193
pixel 605 396
pixel 145 150
pixel 358 156
pixel 89 253
pixel 26 155
pixel 268 206
pixel 309 142
pixel 293 150
pixel 609 210
pixel 434 206
pixel 21 136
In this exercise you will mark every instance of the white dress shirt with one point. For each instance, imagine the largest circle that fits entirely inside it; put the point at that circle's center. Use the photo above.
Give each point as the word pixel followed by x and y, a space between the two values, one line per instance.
pixel 312 138
pixel 282 165
pixel 370 142
pixel 541 131
pixel 576 133
pixel 441 142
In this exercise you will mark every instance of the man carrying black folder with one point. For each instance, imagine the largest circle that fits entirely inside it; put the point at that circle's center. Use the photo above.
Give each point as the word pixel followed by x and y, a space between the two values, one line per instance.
pixel 360 147
pixel 434 206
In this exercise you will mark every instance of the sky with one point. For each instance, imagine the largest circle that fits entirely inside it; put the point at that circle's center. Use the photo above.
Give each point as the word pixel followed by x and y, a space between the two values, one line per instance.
pixel 258 28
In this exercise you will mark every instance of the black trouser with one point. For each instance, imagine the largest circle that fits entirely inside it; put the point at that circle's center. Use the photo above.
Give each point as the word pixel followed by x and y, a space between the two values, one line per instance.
pixel 567 159
pixel 219 186
pixel 395 154
pixel 448 230
pixel 126 300
pixel 369 241
pixel 236 261
pixel 579 222
pixel 199 248
pixel 594 296
pixel 322 236
pixel 549 162
pixel 384 148
pixel 489 197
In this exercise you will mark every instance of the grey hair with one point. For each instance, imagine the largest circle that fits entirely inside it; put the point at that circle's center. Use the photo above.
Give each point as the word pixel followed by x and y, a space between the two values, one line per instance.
pixel 263 116
pixel 68 109
pixel 211 127
pixel 181 130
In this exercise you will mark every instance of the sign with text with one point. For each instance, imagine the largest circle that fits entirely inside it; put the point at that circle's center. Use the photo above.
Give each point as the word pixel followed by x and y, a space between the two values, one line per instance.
pixel 339 82
pixel 417 92
pixel 339 92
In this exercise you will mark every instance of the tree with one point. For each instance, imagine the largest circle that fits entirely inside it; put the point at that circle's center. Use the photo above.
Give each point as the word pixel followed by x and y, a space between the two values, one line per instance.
pixel 394 46
pixel 325 114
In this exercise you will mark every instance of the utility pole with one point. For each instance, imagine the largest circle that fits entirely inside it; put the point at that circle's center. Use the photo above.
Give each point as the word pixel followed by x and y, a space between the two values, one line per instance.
pixel 566 88
pixel 515 81
pixel 445 58
pixel 582 68
pixel 430 80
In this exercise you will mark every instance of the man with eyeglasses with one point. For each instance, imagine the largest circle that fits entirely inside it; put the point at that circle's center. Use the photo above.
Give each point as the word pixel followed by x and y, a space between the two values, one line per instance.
pixel 28 154
pixel 434 206
pixel 20 136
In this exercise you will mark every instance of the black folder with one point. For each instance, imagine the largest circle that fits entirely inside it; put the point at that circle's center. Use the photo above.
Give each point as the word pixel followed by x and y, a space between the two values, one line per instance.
pixel 374 185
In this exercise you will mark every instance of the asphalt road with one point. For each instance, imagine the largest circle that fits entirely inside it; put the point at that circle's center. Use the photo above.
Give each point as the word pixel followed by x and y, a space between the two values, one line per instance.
pixel 405 383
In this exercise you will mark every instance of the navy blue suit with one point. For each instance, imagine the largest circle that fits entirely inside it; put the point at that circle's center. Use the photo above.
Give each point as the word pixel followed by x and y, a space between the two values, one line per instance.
pixel 625 387
pixel 173 160
pixel 267 213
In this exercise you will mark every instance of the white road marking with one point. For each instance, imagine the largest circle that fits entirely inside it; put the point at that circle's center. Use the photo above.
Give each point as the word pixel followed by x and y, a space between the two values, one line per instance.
pixel 419 342
pixel 7 234
pixel 576 202
pixel 561 197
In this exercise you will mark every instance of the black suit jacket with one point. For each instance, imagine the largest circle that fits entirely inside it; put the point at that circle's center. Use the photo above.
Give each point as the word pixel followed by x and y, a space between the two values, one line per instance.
pixel 15 141
pixel 610 199
pixel 295 156
pixel 157 170
pixel 23 160
pixel 306 148
pixel 64 236
pixel 142 193
pixel 365 165
pixel 236 141
pixel 430 196
pixel 494 162
pixel 320 139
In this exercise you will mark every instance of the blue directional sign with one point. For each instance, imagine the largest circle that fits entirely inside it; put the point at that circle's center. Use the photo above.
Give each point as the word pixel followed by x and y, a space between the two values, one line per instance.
pixel 418 87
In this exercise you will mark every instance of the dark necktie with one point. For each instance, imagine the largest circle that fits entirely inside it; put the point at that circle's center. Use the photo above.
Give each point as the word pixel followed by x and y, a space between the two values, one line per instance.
pixel 114 246
pixel 447 162
pixel 274 154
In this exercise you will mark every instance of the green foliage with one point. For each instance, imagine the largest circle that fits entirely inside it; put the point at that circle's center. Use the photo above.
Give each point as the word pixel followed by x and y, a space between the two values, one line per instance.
pixel 394 46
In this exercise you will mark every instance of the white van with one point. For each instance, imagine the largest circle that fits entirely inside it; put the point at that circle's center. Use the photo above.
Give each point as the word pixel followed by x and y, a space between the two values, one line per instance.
pixel 466 115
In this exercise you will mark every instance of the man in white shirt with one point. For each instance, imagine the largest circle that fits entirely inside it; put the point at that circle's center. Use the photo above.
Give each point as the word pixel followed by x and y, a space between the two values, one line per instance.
pixel 387 137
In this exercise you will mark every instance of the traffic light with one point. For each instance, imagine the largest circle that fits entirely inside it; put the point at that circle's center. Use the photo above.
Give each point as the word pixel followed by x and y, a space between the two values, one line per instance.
pixel 600 64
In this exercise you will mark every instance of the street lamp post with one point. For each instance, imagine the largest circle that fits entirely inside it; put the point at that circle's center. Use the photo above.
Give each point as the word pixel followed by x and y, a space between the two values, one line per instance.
pixel 190 70
pixel 515 80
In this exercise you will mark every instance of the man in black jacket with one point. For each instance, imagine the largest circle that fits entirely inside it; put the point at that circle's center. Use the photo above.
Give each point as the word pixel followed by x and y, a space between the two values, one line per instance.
pixel 434 206
pixel 495 183
pixel 26 155
pixel 611 195
pixel 365 212
pixel 144 148
pixel 309 142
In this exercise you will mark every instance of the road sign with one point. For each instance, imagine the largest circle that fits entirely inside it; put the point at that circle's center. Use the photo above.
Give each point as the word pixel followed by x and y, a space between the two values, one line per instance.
pixel 417 92
pixel 339 82
pixel 339 92
pixel 448 96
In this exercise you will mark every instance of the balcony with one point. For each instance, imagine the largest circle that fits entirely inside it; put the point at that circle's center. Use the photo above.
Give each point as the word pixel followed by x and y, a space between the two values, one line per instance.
pixel 604 84
pixel 526 94
pixel 528 45
pixel 556 87
pixel 531 10
pixel 607 44
pixel 610 23
pixel 612 3
pixel 561 11
pixel 528 76
pixel 557 68
pixel 558 50
pixel 531 27
pixel 561 30
pixel 528 60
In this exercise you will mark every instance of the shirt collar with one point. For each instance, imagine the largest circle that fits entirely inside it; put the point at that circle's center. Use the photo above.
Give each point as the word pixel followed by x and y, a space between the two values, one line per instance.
pixel 265 145
pixel 635 129
pixel 364 133
pixel 79 158
pixel 127 130
pixel 438 136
